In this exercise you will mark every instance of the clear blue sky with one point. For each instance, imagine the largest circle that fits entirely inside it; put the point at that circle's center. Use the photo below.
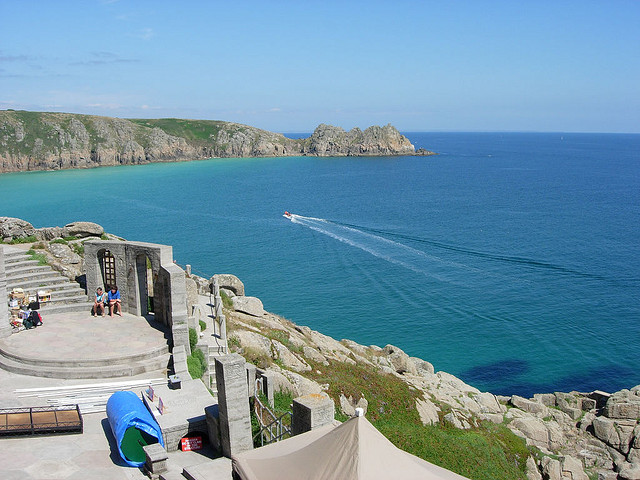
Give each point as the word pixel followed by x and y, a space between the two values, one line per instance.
pixel 290 65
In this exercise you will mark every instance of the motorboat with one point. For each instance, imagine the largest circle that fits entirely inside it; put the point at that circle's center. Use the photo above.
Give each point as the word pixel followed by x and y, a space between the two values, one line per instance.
pixel 287 215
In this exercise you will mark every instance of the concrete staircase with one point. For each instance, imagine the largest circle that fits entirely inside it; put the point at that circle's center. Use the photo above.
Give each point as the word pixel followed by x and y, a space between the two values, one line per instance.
pixel 23 272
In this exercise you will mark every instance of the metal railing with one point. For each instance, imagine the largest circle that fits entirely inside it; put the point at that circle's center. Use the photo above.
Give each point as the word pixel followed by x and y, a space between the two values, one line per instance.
pixel 272 428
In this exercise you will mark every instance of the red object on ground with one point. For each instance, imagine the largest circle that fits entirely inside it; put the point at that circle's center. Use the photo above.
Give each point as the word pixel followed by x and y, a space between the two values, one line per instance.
pixel 191 443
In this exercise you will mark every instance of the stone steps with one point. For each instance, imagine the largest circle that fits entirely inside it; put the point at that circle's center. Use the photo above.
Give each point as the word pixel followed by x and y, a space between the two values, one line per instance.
pixel 98 362
pixel 70 369
pixel 23 272
pixel 18 270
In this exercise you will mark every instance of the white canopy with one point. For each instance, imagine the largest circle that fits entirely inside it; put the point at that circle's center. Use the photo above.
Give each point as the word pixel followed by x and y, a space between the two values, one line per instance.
pixel 352 451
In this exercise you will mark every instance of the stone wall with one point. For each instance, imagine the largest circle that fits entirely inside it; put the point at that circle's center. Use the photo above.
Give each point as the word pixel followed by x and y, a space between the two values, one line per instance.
pixel 5 328
pixel 169 288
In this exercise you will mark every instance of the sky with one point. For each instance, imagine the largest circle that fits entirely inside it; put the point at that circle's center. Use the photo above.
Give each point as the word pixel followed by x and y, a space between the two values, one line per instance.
pixel 287 66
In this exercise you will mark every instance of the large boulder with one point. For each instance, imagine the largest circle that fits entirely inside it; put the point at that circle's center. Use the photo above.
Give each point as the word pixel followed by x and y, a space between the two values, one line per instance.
pixel 288 359
pixel 423 367
pixel 249 305
pixel 254 341
pixel 83 229
pixel 11 228
pixel 64 254
pixel 401 362
pixel 229 282
pixel 572 468
pixel 617 433
pixel 48 233
pixel 529 406
pixel 533 429
pixel 630 471
pixel 569 404
pixel 624 404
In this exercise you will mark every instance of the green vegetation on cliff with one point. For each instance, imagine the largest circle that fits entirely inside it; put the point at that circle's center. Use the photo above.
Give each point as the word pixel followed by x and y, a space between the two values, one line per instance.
pixel 53 141
pixel 488 452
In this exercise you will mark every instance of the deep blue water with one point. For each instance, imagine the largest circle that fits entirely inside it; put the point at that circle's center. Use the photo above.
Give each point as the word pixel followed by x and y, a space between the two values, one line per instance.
pixel 510 260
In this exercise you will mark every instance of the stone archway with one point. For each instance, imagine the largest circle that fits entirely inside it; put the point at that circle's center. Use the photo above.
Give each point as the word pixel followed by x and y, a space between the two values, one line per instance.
pixel 146 279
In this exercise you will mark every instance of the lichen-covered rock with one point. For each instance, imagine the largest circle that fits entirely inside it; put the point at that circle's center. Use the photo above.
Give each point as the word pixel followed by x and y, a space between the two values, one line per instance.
pixel 400 361
pixel 255 341
pixel 534 430
pixel 64 254
pixel 348 405
pixel 624 404
pixel 314 355
pixel 532 470
pixel 428 411
pixel 423 367
pixel 617 433
pixel 630 472
pixel 11 228
pixel 249 305
pixel 82 229
pixel 288 359
pixel 328 140
pixel 529 406
pixel 48 233
pixel 229 282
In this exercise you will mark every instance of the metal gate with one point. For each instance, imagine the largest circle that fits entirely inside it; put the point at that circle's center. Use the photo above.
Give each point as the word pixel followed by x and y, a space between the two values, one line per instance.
pixel 108 270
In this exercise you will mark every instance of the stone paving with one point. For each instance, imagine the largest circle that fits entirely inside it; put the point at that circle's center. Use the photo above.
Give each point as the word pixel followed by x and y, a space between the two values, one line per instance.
pixel 92 454
pixel 79 336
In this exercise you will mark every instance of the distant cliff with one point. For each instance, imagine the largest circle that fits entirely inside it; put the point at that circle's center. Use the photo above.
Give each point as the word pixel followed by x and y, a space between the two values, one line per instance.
pixel 53 141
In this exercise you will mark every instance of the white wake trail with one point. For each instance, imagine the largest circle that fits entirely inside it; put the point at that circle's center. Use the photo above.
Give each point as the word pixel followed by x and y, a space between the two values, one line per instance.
pixel 384 248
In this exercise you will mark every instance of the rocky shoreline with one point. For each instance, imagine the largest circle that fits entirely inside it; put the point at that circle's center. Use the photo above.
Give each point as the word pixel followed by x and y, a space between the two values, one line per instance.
pixel 572 435
pixel 53 141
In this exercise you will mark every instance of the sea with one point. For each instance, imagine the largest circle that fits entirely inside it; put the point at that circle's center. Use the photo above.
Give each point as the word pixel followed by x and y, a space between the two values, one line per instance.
pixel 511 260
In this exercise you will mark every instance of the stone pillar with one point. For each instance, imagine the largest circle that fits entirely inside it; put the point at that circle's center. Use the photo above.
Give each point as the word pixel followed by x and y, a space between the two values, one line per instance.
pixel 251 378
pixel 311 412
pixel 5 327
pixel 233 405
pixel 267 380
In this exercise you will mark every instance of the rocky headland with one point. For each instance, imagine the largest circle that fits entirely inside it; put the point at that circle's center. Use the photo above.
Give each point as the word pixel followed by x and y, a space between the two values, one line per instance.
pixel 564 435
pixel 54 141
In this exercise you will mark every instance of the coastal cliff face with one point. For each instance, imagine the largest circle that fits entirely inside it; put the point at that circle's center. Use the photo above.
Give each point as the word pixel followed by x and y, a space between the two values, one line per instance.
pixel 54 141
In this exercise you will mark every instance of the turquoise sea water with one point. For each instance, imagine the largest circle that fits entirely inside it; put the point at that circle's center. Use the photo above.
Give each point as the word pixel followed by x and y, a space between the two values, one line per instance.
pixel 510 260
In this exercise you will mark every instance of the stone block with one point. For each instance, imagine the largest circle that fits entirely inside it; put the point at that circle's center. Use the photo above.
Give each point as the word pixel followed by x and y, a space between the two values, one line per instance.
pixel 251 378
pixel 548 399
pixel 233 404
pixel 5 327
pixel 527 405
pixel 311 412
pixel 180 361
pixel 156 460
pixel 588 404
pixel 268 385
pixel 184 411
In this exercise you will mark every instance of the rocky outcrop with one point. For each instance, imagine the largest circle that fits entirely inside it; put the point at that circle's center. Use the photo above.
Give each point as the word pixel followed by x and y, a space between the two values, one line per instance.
pixel 54 141
pixel 229 283
pixel 335 141
pixel 13 228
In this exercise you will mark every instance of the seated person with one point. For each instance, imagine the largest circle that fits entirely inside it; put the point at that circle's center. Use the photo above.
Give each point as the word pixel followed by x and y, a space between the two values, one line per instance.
pixel 98 303
pixel 114 301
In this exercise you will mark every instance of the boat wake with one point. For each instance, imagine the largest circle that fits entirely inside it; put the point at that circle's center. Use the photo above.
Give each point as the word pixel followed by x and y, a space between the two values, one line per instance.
pixel 389 250
pixel 397 248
